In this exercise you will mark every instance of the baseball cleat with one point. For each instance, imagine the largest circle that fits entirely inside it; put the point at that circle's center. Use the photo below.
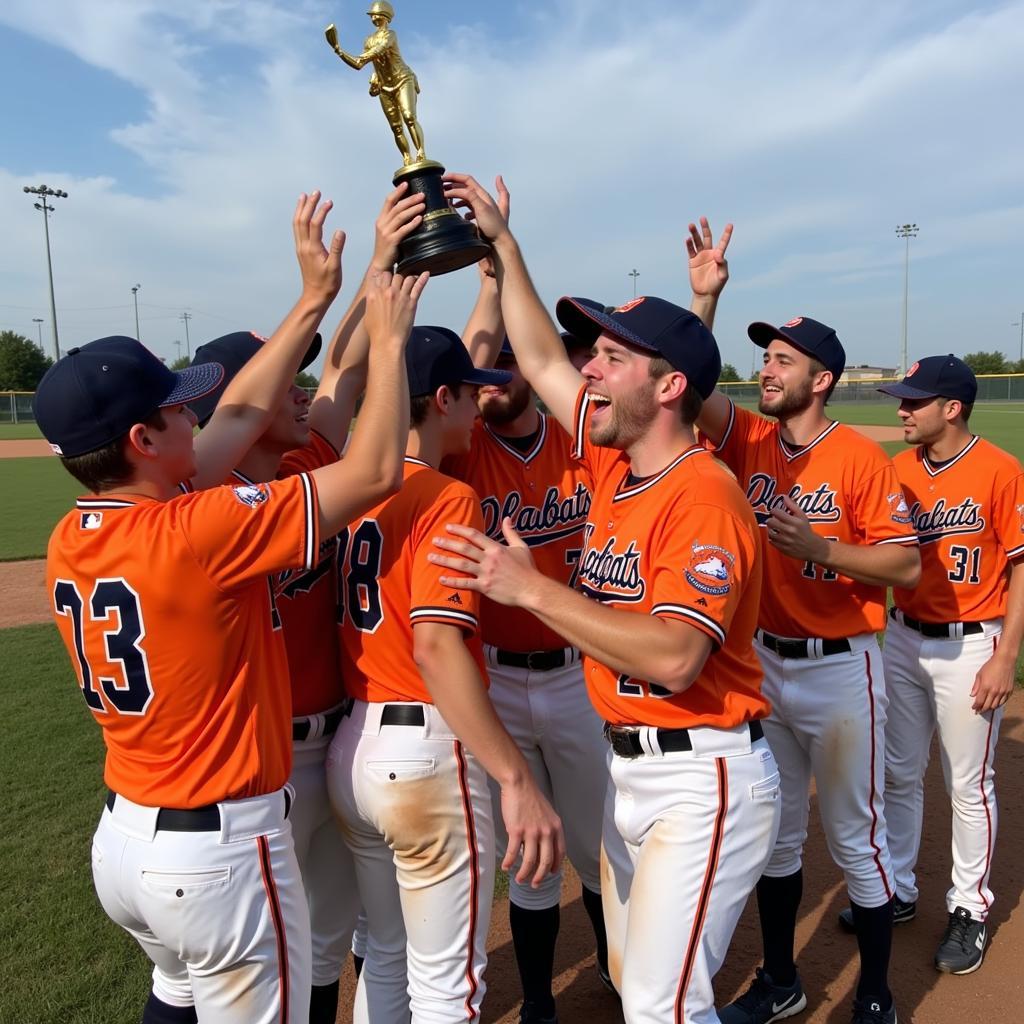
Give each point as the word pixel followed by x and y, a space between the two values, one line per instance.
pixel 901 913
pixel 872 1013
pixel 963 946
pixel 606 980
pixel 765 1001
pixel 529 1013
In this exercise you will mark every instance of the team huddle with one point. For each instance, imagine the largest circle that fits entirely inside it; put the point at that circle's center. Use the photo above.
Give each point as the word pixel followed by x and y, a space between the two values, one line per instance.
pixel 344 673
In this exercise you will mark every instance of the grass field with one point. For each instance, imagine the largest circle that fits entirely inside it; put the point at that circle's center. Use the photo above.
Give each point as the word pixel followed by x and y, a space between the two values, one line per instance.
pixel 18 431
pixel 36 493
pixel 64 962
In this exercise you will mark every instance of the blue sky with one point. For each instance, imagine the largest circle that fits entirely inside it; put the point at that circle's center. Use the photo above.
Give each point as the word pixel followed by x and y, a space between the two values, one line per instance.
pixel 183 134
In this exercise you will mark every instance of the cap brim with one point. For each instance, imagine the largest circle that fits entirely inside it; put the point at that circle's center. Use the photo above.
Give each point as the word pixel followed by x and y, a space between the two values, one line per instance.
pixel 762 335
pixel 194 382
pixel 902 390
pixel 312 352
pixel 586 320
pixel 485 377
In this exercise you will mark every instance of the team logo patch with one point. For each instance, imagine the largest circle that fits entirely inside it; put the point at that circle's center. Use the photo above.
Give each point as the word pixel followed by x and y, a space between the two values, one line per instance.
pixel 258 337
pixel 632 304
pixel 913 370
pixel 710 569
pixel 251 494
pixel 899 510
pixel 795 322
pixel 91 520
pixel 1020 512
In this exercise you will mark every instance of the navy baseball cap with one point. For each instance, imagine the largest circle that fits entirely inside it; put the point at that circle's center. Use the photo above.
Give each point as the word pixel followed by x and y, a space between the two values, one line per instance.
pixel 233 351
pixel 812 337
pixel 98 392
pixel 933 376
pixel 436 356
pixel 653 324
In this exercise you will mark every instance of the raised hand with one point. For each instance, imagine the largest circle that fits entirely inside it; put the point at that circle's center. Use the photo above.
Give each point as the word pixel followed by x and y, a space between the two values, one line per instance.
pixel 320 266
pixel 400 216
pixel 485 267
pixel 391 301
pixel 709 269
pixel 468 193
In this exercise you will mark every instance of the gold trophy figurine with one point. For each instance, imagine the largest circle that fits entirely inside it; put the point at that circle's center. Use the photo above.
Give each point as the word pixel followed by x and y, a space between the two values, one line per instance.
pixel 443 241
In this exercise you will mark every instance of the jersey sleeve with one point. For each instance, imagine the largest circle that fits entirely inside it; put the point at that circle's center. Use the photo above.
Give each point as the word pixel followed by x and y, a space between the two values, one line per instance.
pixel 743 430
pixel 240 533
pixel 881 512
pixel 707 558
pixel 1009 516
pixel 592 458
pixel 318 453
pixel 430 600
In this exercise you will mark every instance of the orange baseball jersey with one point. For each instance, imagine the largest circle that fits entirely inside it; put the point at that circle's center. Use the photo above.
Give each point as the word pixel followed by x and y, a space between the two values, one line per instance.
pixel 165 609
pixel 386 585
pixel 848 489
pixel 969 517
pixel 681 544
pixel 545 494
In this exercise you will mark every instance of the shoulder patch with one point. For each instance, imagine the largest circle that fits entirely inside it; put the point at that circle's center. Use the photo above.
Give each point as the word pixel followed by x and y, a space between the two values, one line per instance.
pixel 899 511
pixel 251 494
pixel 91 520
pixel 710 569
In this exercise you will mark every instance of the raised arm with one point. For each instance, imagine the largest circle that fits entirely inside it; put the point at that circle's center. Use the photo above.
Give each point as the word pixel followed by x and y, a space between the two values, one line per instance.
pixel 344 376
pixel 485 329
pixel 249 402
pixel 709 272
pixel 372 467
pixel 533 334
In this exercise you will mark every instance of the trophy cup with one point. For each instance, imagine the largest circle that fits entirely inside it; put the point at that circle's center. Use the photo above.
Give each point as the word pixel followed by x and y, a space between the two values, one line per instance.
pixel 444 241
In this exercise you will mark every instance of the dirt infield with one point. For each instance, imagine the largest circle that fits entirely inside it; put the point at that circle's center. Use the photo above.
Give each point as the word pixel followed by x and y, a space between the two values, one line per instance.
pixel 24 449
pixel 827 957
pixel 23 593
pixel 879 433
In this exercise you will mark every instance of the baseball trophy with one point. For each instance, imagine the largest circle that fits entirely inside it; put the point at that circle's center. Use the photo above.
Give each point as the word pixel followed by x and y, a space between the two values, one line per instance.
pixel 444 241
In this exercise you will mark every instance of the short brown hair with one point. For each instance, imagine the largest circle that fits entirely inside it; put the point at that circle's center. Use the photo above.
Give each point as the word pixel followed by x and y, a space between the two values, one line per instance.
pixel 819 367
pixel 107 468
pixel 419 405
pixel 689 409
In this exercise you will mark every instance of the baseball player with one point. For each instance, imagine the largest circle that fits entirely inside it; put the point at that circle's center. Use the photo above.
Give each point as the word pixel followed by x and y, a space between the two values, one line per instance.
pixel 670 576
pixel 407 770
pixel 952 644
pixel 520 464
pixel 193 854
pixel 835 532
pixel 302 438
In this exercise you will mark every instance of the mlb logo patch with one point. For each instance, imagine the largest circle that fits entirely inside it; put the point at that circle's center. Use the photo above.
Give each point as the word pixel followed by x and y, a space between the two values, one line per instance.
pixel 251 494
pixel 91 520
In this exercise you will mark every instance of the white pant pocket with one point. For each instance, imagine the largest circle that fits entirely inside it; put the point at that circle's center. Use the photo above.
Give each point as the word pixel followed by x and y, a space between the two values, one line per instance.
pixel 765 791
pixel 402 770
pixel 184 882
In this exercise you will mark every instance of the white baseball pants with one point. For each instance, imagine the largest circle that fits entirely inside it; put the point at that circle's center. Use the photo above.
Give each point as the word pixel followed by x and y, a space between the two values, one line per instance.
pixel 929 682
pixel 828 718
pixel 222 915
pixel 552 721
pixel 328 873
pixel 416 814
pixel 697 827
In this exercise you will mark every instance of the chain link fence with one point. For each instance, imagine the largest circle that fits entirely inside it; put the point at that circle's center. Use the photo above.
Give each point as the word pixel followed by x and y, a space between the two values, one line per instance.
pixel 1001 387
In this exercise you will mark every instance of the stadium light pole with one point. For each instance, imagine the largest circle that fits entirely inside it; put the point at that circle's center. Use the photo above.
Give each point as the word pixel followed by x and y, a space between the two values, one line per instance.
pixel 135 296
pixel 38 321
pixel 184 318
pixel 45 193
pixel 906 232
pixel 634 273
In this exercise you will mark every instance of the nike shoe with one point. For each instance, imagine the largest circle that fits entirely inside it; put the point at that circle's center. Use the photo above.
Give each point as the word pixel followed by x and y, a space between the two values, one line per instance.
pixel 765 1001
pixel 963 946
pixel 871 1013
pixel 901 914
pixel 529 1013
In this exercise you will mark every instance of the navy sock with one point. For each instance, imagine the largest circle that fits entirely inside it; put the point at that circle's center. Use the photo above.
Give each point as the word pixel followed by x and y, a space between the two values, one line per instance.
pixel 158 1012
pixel 874 938
pixel 533 936
pixel 323 1003
pixel 778 900
pixel 592 905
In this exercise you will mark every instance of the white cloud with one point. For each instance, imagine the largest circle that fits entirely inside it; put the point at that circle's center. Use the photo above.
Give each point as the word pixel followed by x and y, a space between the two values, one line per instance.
pixel 816 129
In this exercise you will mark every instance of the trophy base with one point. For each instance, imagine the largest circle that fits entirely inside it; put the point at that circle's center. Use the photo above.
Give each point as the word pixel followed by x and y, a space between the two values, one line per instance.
pixel 444 241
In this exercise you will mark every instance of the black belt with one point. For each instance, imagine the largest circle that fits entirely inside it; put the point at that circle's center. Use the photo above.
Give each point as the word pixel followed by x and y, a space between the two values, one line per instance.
pixel 801 648
pixel 937 630
pixel 625 740
pixel 535 661
pixel 402 714
pixel 194 819
pixel 302 727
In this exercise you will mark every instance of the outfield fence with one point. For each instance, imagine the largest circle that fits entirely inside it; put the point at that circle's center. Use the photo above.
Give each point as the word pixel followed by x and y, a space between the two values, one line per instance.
pixel 16 406
pixel 999 387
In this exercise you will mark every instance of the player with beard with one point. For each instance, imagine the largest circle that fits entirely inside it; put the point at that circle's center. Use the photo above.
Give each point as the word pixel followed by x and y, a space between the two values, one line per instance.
pixel 666 606
pixel 835 532
pixel 520 464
